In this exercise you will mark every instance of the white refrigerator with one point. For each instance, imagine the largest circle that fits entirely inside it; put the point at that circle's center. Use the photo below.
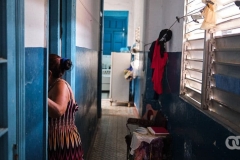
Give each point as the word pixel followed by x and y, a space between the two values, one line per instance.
pixel 119 86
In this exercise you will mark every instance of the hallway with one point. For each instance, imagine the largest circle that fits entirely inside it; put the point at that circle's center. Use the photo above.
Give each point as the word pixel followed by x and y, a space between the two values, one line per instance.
pixel 109 141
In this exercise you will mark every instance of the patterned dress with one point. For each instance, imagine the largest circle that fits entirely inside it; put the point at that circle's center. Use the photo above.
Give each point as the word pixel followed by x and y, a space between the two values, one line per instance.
pixel 64 142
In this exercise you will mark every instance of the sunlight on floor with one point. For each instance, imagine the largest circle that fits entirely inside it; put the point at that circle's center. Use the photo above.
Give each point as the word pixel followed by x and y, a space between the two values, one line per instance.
pixel 110 138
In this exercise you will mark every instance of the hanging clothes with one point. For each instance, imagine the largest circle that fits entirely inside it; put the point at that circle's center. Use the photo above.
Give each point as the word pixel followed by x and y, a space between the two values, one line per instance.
pixel 209 17
pixel 167 33
pixel 158 64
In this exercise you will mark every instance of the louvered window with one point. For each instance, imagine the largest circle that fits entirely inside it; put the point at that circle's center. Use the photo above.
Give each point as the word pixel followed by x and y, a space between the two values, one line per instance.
pixel 211 63
pixel 192 59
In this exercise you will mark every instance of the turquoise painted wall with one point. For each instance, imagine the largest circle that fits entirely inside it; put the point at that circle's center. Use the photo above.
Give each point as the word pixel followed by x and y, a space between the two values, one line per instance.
pixel 195 135
pixel 36 139
pixel 86 71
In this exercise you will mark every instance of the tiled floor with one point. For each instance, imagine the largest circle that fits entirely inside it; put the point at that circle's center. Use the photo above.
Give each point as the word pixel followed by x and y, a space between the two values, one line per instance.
pixel 110 138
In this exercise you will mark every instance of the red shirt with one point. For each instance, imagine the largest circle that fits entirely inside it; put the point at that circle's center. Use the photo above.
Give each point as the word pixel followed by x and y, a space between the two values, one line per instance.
pixel 158 65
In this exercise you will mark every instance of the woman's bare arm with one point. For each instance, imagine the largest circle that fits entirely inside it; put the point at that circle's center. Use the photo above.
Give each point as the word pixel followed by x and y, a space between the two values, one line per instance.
pixel 58 99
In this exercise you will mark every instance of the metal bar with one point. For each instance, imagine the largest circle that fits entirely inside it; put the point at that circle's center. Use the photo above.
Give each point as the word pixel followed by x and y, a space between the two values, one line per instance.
pixel 195 50
pixel 227 64
pixel 100 52
pixel 183 66
pixel 196 70
pixel 205 66
pixel 227 49
pixel 196 39
pixel 195 60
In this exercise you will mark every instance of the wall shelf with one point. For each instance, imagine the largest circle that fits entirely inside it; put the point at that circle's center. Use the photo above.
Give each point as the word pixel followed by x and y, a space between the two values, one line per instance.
pixel 3 131
pixel 2 60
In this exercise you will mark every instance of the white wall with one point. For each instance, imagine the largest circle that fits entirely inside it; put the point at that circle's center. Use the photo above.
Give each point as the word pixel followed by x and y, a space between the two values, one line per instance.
pixel 154 20
pixel 36 23
pixel 87 24
pixel 161 15
pixel 123 5
pixel 139 20
pixel 171 9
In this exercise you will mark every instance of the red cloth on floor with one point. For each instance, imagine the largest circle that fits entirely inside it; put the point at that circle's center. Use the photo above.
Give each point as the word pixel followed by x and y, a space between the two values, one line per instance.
pixel 158 65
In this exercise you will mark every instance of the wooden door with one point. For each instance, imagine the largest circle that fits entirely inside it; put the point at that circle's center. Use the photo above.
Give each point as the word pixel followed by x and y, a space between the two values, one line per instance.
pixel 115 34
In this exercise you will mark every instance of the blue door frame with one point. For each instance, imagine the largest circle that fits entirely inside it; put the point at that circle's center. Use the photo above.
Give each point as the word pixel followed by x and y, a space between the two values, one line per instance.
pixel 13 80
pixel 60 30
pixel 20 63
pixel 68 48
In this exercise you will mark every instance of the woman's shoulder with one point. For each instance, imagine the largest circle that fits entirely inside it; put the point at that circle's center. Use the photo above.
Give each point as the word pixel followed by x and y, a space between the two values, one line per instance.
pixel 66 87
pixel 60 85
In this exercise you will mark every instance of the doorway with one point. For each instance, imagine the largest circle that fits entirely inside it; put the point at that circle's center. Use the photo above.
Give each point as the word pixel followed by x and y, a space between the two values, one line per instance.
pixel 114 39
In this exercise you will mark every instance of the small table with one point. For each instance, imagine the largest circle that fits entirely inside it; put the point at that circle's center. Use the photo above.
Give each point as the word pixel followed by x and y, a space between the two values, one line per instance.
pixel 138 138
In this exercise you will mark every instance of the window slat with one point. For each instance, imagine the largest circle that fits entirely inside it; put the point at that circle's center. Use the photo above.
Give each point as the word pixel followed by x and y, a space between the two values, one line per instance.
pixel 195 44
pixel 194 65
pixel 227 43
pixel 228 24
pixel 225 112
pixel 194 74
pixel 228 70
pixel 194 79
pixel 192 100
pixel 227 99
pixel 194 59
pixel 193 85
pixel 195 35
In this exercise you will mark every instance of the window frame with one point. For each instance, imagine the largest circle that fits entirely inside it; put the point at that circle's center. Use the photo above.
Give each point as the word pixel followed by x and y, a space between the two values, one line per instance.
pixel 206 88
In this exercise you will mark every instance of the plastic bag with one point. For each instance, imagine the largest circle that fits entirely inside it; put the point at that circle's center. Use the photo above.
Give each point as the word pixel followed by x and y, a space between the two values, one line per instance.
pixel 209 17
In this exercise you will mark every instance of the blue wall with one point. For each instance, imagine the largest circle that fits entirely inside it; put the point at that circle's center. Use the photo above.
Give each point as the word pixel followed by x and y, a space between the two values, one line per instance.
pixel 227 83
pixel 35 103
pixel 194 133
pixel 137 83
pixel 86 94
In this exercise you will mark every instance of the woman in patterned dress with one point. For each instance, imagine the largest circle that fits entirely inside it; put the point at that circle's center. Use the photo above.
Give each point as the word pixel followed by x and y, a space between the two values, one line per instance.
pixel 64 142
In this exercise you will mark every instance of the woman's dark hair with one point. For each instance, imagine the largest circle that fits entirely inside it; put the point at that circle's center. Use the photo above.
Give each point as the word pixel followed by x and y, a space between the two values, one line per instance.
pixel 58 65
